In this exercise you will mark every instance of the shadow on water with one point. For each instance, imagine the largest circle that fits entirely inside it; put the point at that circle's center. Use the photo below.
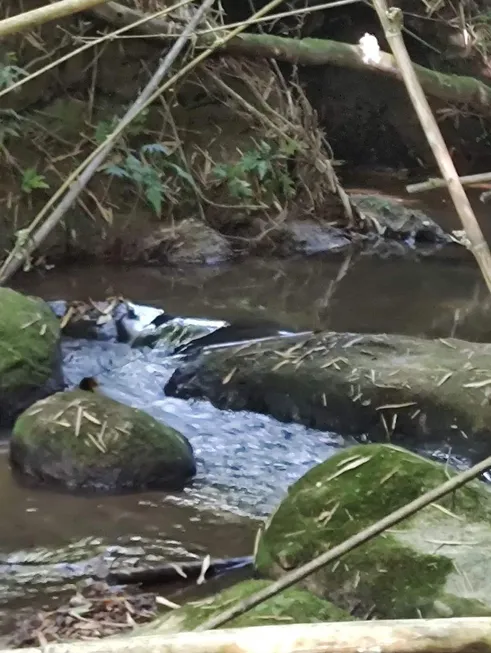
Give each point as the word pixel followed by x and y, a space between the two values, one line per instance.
pixel 245 461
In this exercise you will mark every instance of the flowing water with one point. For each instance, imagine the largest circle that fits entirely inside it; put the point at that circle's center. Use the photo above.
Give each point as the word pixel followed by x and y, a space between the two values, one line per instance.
pixel 245 461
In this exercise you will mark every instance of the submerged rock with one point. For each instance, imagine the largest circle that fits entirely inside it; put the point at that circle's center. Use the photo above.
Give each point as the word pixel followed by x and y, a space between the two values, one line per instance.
pixel 30 358
pixel 169 333
pixel 393 220
pixel 377 386
pixel 185 335
pixel 94 321
pixel 291 606
pixel 434 564
pixel 85 441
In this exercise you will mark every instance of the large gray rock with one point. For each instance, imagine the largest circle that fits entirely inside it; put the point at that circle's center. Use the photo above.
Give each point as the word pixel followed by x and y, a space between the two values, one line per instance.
pixel 380 387
pixel 30 358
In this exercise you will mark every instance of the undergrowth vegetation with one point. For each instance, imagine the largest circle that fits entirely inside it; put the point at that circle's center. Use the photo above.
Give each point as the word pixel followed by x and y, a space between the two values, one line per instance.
pixel 251 155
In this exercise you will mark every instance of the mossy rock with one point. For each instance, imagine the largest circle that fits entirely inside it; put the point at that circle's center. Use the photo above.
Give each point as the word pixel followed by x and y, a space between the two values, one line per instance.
pixel 412 390
pixel 394 220
pixel 291 606
pixel 434 564
pixel 85 441
pixel 30 358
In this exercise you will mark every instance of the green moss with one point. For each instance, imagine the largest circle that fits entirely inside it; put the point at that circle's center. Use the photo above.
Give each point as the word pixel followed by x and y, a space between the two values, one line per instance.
pixel 89 436
pixel 29 336
pixel 404 571
pixel 291 606
pixel 126 431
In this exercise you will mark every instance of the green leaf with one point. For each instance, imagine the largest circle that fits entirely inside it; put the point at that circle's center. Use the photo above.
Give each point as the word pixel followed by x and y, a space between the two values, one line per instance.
pixel 153 148
pixel 103 129
pixel 221 171
pixel 263 167
pixel 250 161
pixel 180 172
pixel 31 180
pixel 240 188
pixel 154 197
pixel 116 171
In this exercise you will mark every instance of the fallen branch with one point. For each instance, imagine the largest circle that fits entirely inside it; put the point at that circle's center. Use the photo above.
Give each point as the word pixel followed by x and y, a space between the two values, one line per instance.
pixel 179 571
pixel 295 576
pixel 436 182
pixel 314 52
pixel 398 636
pixel 40 15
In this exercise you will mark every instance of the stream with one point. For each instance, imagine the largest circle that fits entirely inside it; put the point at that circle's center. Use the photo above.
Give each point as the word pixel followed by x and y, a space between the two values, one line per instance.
pixel 245 461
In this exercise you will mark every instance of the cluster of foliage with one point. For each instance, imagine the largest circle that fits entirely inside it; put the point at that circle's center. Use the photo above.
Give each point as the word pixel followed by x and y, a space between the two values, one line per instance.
pixel 10 122
pixel 262 170
pixel 158 174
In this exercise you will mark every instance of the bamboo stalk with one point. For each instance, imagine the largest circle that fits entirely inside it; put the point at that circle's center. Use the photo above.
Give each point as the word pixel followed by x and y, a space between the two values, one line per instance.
pixel 398 636
pixel 40 15
pixel 80 177
pixel 142 19
pixel 391 20
pixel 431 184
pixel 353 542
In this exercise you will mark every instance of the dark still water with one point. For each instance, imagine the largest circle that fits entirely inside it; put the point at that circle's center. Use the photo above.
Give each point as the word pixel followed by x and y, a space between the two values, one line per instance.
pixel 245 461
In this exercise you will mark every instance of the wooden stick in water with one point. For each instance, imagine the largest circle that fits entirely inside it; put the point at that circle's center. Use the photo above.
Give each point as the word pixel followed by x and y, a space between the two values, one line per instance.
pixel 391 20
pixel 431 184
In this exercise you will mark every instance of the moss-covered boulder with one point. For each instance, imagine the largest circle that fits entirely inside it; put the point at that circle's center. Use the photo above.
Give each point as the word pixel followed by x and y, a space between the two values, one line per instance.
pixel 434 564
pixel 380 386
pixel 291 606
pixel 30 359
pixel 85 441
pixel 391 219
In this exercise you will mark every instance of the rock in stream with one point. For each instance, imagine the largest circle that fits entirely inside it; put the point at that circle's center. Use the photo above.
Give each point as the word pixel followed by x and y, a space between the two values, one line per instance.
pixel 30 355
pixel 381 387
pixel 433 564
pixel 85 441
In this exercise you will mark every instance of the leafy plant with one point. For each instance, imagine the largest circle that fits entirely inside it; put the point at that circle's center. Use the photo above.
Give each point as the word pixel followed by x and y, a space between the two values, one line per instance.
pixel 149 169
pixel 9 124
pixel 10 72
pixel 259 171
pixel 135 128
pixel 31 180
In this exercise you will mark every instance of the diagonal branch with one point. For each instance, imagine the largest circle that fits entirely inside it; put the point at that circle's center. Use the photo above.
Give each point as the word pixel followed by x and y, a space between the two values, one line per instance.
pixel 29 19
